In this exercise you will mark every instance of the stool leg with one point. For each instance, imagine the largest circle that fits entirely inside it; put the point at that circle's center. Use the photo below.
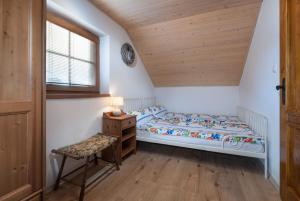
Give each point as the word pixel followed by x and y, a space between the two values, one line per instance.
pixel 82 191
pixel 114 150
pixel 95 159
pixel 60 173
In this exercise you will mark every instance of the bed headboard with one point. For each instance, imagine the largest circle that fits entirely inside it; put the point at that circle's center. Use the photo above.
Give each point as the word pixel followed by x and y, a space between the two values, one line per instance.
pixel 256 121
pixel 135 104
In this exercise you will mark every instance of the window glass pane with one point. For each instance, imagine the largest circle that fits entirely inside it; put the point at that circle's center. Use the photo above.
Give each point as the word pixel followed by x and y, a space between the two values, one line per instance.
pixel 57 39
pixel 82 73
pixel 82 48
pixel 71 58
pixel 57 69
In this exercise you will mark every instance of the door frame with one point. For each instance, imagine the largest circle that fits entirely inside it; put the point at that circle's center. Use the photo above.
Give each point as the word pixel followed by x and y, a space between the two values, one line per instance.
pixel 283 63
pixel 289 112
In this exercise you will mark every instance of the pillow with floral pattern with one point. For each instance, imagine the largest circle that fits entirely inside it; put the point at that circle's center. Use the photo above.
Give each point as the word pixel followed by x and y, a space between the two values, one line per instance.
pixel 157 110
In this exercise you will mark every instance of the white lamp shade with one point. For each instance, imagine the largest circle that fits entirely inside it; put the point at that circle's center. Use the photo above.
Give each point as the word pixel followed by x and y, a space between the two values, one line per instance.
pixel 117 101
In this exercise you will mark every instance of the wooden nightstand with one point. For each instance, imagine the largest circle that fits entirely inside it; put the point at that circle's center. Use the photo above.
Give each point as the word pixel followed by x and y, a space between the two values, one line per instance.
pixel 124 128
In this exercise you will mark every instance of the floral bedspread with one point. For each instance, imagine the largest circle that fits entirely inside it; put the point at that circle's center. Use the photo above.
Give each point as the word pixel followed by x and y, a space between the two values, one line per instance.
pixel 203 126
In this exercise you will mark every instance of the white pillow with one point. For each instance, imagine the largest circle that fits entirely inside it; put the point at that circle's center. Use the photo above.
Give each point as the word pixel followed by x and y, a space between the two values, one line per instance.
pixel 141 115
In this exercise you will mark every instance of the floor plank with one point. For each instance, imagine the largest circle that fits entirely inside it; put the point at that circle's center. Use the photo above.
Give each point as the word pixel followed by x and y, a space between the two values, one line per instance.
pixel 165 173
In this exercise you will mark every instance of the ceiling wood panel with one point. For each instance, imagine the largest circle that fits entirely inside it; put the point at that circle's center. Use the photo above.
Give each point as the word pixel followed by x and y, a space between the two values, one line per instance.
pixel 188 42
pixel 134 13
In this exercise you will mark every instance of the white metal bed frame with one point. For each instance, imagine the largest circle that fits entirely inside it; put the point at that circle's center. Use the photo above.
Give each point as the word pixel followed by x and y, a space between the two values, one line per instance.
pixel 256 122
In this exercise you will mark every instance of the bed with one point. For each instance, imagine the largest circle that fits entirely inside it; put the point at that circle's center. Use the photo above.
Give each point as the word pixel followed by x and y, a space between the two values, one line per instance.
pixel 244 134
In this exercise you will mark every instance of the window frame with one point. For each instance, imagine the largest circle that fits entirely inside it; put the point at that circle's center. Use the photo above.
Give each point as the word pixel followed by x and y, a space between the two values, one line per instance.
pixel 61 91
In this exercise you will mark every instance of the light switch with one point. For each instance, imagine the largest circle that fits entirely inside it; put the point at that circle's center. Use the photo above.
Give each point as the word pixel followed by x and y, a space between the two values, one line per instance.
pixel 274 69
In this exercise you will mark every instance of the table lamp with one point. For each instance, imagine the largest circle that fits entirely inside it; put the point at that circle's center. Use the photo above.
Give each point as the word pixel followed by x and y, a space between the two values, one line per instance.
pixel 116 103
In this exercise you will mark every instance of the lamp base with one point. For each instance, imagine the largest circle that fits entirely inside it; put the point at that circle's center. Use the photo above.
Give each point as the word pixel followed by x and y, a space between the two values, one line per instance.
pixel 116 113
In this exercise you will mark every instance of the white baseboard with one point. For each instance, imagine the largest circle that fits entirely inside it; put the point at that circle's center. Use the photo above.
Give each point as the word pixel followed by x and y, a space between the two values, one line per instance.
pixel 270 178
pixel 274 183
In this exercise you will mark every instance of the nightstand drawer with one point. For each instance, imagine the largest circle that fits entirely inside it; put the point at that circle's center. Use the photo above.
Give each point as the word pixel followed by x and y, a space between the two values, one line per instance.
pixel 112 127
pixel 128 123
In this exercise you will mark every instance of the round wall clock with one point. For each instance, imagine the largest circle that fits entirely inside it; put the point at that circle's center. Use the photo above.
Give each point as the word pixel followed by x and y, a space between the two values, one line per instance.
pixel 128 55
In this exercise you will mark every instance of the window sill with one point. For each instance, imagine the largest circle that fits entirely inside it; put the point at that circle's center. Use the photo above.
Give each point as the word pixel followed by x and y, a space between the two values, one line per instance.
pixel 57 95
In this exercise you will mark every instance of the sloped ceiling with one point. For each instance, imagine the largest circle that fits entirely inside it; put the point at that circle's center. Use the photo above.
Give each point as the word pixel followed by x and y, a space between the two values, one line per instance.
pixel 188 42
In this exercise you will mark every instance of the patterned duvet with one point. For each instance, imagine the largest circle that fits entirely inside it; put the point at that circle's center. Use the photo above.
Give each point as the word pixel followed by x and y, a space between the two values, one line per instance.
pixel 201 126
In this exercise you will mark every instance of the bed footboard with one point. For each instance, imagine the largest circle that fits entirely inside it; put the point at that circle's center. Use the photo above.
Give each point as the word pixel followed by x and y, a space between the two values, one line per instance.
pixel 259 124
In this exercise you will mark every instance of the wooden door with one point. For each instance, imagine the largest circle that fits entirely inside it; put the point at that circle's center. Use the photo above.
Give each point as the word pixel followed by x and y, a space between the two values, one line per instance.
pixel 21 141
pixel 290 100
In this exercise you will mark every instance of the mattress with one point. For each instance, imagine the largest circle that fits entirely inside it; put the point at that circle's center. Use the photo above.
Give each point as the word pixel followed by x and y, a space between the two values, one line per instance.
pixel 214 131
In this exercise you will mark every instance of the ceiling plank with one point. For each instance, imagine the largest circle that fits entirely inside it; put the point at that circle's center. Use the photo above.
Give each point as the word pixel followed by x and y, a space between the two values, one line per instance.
pixel 135 13
pixel 206 49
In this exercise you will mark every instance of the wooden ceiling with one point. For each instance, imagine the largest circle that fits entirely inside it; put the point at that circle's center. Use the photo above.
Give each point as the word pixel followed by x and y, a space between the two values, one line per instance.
pixel 188 42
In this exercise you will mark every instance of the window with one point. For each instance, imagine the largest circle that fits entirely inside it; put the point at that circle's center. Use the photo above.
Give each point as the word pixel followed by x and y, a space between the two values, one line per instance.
pixel 72 67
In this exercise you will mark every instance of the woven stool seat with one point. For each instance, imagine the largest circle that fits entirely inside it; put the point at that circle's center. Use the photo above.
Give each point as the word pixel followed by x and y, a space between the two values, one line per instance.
pixel 87 147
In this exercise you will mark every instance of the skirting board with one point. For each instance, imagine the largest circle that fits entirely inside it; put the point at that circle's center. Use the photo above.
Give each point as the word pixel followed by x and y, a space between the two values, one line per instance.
pixel 274 183
pixel 270 178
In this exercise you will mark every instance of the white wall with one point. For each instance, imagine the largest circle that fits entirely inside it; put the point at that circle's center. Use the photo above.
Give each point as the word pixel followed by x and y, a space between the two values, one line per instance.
pixel 211 100
pixel 69 121
pixel 261 75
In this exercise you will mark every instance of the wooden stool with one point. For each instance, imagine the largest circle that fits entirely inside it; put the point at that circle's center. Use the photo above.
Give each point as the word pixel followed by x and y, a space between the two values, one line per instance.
pixel 85 150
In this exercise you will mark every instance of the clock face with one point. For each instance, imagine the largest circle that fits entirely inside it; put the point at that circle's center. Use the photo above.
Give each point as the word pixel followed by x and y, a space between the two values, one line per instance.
pixel 128 55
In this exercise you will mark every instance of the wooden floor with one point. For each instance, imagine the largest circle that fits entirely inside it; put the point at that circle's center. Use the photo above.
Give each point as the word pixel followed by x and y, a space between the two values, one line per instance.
pixel 164 173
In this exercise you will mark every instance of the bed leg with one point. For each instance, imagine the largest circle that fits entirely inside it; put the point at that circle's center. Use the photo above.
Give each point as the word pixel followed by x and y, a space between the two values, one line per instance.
pixel 266 168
